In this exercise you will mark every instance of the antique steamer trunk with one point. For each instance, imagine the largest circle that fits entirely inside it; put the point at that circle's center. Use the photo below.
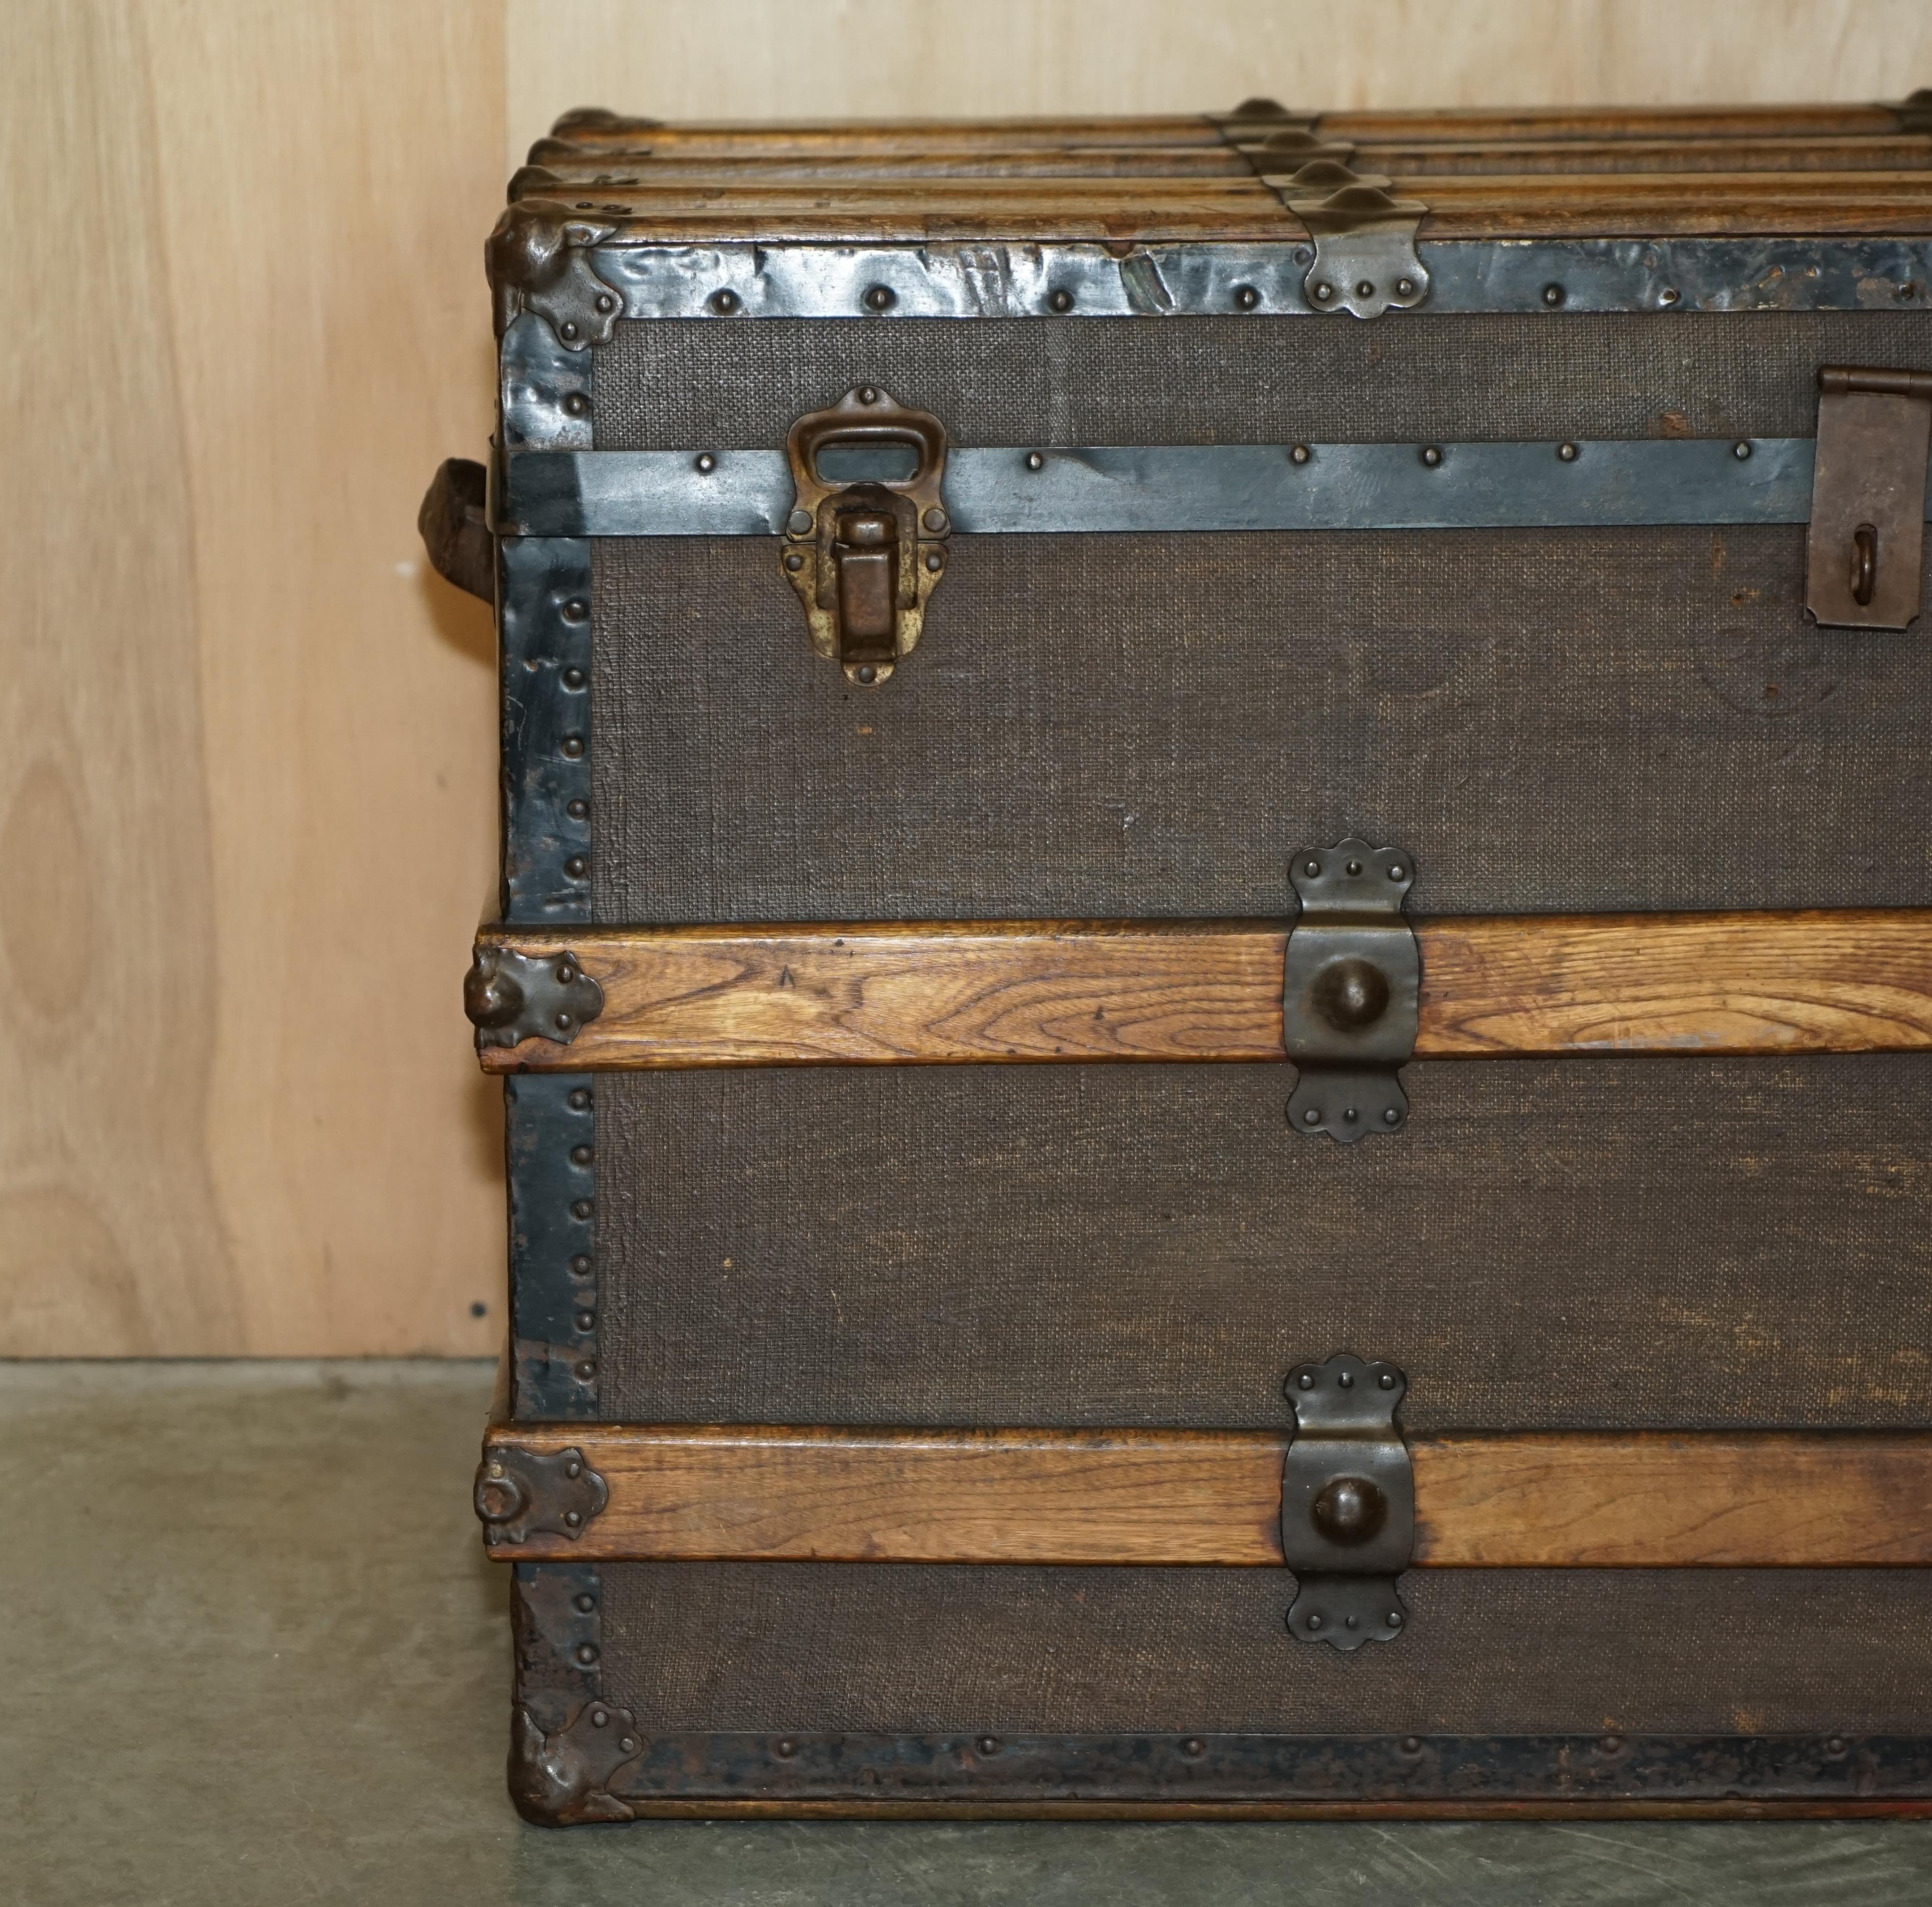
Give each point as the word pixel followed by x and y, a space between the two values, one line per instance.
pixel 1214 979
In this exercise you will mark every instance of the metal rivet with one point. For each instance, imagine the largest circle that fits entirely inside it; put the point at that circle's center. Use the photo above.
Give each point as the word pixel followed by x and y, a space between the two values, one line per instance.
pixel 1323 292
pixel 1740 450
pixel 1346 1379
pixel 577 867
pixel 1307 1381
pixel 565 974
pixel 495 1470
pixel 1354 867
pixel 563 1022
pixel 1395 1618
pixel 586 1320
pixel 705 463
pixel 935 521
pixel 1835 1745
pixel 581 1266
pixel 1552 295
pixel 725 302
pixel 1193 1745
pixel 576 610
pixel 1669 295
pixel 1567 452
pixel 1311 865
pixel 1393 1116
pixel 573 746
pixel 1386 1380
pixel 1350 1115
pixel 794 563
pixel 1312 1117
pixel 784 1748
pixel 1612 1743
pixel 934 561
pixel 1247 297
pixel 868 393
pixel 574 677
pixel 585 1604
pixel 799 522
pixel 598 1717
pixel 1431 454
pixel 1366 289
pixel 881 298
pixel 1299 454
pixel 576 404
pixel 582 1208
pixel 1315 1622
pixel 1907 292
pixel 1035 461
pixel 1395 870
pixel 605 302
pixel 580 1098
pixel 566 330
pixel 1060 301
pixel 988 1745
pixel 582 1154
pixel 868 675
pixel 1405 288
pixel 1354 1622
pixel 1303 256
pixel 1412 1744
pixel 587 1370
pixel 628 1744
pixel 572 1518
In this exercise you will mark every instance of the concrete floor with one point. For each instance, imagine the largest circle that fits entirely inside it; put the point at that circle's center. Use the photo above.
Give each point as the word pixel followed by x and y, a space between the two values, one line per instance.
pixel 252 1652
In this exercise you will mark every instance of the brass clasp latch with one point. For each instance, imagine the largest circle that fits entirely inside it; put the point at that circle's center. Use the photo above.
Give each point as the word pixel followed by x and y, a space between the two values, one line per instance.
pixel 1864 553
pixel 865 543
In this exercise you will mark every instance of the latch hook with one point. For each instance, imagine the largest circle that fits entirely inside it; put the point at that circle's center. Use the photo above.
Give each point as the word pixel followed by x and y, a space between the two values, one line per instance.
pixel 865 542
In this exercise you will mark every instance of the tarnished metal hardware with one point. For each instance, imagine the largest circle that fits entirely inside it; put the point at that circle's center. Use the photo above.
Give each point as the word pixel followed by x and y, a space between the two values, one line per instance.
pixel 537 259
pixel 1348 1503
pixel 562 1775
pixel 511 996
pixel 1287 148
pixel 1365 260
pixel 1915 112
pixel 522 1493
pixel 1257 114
pixel 1351 990
pixel 865 541
pixel 1864 556
pixel 556 1610
pixel 549 1146
pixel 453 524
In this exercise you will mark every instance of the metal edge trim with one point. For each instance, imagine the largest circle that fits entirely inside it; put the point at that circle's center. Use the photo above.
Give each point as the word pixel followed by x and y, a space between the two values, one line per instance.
pixel 550 1155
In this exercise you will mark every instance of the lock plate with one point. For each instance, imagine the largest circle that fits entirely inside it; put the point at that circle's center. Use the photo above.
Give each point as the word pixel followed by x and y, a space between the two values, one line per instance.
pixel 864 544
pixel 1351 989
pixel 1348 1503
pixel 1864 553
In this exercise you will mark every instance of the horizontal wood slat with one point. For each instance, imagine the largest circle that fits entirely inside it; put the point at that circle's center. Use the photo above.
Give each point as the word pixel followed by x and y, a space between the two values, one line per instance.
pixel 1648 1500
pixel 1843 981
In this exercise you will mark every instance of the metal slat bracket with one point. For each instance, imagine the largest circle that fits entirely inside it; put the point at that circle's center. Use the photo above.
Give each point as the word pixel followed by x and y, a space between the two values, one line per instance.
pixel 1364 260
pixel 1351 989
pixel 1348 1503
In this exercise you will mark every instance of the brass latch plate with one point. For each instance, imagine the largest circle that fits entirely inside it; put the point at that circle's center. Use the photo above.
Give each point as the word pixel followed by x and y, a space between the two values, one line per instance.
pixel 865 543
pixel 1865 552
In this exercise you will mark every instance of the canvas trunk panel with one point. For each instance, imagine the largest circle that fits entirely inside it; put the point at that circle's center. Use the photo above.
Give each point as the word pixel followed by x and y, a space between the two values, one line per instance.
pixel 1215 965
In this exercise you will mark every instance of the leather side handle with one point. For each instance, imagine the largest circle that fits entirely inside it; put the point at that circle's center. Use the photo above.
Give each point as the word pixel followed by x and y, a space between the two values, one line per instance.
pixel 455 530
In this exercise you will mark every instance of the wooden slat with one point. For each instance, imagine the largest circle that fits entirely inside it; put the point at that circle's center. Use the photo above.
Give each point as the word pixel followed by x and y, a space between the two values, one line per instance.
pixel 1845 981
pixel 1584 1499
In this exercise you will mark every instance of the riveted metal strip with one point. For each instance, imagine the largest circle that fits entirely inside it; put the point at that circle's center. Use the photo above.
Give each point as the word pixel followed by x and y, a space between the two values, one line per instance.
pixel 550 1152
pixel 1217 486
pixel 544 594
pixel 557 1616
pixel 730 283
pixel 637 1773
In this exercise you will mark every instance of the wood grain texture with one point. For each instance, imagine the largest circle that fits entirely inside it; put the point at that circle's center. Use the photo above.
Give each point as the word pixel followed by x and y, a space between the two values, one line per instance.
pixel 741 59
pixel 246 320
pixel 1553 1501
pixel 1850 981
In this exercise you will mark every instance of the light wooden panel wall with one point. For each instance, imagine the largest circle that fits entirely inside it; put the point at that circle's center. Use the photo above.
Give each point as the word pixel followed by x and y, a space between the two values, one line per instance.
pixel 719 59
pixel 244 316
